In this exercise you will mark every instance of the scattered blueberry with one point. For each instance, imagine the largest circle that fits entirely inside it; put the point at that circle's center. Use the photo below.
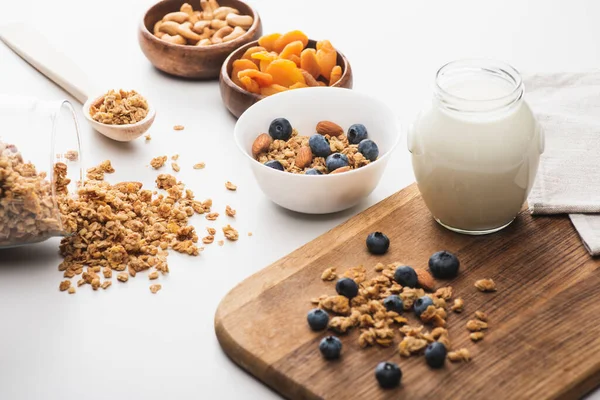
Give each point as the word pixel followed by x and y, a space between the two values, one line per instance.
pixel 388 375
pixel 356 133
pixel 394 303
pixel 280 129
pixel 421 305
pixel 444 265
pixel 369 149
pixel 313 171
pixel 319 145
pixel 335 161
pixel 317 319
pixel 275 165
pixel 406 276
pixel 346 287
pixel 330 347
pixel 378 243
pixel 435 355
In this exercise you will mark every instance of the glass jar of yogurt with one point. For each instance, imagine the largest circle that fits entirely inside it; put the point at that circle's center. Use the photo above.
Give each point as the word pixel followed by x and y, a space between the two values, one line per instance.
pixel 476 147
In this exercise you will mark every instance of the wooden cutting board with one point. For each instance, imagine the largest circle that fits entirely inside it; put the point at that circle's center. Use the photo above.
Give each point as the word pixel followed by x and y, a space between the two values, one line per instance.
pixel 544 336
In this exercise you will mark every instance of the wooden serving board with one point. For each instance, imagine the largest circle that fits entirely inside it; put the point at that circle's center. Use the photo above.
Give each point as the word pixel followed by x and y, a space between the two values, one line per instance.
pixel 544 336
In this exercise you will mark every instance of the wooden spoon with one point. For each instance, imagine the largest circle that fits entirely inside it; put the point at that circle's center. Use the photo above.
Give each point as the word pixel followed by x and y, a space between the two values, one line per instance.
pixel 33 47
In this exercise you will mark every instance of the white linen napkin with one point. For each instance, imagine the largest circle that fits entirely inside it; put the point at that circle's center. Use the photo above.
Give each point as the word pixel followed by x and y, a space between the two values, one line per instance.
pixel 567 106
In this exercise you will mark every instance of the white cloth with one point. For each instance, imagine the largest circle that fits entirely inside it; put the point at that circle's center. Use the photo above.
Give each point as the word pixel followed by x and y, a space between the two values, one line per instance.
pixel 567 106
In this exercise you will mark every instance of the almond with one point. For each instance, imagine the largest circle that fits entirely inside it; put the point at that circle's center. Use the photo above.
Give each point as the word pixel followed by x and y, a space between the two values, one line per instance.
pixel 340 170
pixel 261 144
pixel 304 157
pixel 425 279
pixel 329 128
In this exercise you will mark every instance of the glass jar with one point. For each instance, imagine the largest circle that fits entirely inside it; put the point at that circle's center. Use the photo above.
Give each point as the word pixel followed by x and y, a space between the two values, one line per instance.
pixel 476 147
pixel 40 164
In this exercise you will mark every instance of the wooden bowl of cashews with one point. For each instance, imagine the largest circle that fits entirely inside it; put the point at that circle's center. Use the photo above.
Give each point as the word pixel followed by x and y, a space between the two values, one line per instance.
pixel 192 39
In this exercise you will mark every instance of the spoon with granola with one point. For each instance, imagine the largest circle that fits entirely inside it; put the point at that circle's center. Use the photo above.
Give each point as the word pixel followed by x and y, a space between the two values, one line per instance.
pixel 119 115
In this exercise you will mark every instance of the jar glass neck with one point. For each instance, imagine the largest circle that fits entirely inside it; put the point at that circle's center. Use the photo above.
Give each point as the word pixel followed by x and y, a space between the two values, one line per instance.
pixel 478 86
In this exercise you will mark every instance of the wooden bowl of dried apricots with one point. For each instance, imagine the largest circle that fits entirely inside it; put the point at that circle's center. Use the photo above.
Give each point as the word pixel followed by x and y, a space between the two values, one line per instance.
pixel 276 63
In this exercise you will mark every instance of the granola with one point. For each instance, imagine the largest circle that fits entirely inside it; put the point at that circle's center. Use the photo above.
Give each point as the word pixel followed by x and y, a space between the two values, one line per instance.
pixel 459 355
pixel 286 152
pixel 230 186
pixel 230 212
pixel 158 162
pixel 458 305
pixel 476 336
pixel 200 165
pixel 119 108
pixel 485 285
pixel 475 325
pixel 329 274
pixel 26 204
pixel 230 233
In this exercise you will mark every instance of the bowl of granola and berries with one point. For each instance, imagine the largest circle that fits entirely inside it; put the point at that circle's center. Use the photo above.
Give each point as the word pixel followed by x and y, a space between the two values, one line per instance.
pixel 318 150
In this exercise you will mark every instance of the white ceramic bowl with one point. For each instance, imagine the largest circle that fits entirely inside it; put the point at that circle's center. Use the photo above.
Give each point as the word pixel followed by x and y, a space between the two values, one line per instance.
pixel 304 108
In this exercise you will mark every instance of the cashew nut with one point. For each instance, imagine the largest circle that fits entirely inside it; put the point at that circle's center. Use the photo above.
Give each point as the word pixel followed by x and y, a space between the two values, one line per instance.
pixel 206 10
pixel 186 8
pixel 221 12
pixel 169 27
pixel 175 39
pixel 244 21
pixel 160 35
pixel 218 36
pixel 186 31
pixel 217 24
pixel 157 27
pixel 207 33
pixel 178 16
pixel 204 42
pixel 200 25
pixel 237 32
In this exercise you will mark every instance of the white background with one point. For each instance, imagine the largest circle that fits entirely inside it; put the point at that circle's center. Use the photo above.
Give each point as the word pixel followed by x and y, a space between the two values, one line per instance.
pixel 126 343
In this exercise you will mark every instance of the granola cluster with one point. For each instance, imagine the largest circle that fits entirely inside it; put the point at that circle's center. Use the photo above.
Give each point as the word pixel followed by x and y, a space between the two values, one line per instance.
pixel 27 209
pixel 119 108
pixel 377 326
pixel 286 152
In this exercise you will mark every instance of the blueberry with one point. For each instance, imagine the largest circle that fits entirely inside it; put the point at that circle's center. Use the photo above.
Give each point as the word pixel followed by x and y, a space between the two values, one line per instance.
pixel 435 355
pixel 313 171
pixel 444 265
pixel 335 161
pixel 421 305
pixel 388 375
pixel 319 145
pixel 317 319
pixel 346 287
pixel 378 243
pixel 369 149
pixel 357 133
pixel 274 164
pixel 330 347
pixel 280 129
pixel 394 303
pixel 406 276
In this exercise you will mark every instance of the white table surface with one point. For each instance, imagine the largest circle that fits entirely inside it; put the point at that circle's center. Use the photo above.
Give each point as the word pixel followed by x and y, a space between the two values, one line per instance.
pixel 126 343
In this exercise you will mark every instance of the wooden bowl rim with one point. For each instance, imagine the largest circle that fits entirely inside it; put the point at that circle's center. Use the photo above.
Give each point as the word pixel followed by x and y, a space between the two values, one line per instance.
pixel 150 36
pixel 227 79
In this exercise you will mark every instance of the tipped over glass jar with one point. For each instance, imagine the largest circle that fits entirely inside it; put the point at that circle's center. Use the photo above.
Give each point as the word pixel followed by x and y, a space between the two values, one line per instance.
pixel 476 147
pixel 40 164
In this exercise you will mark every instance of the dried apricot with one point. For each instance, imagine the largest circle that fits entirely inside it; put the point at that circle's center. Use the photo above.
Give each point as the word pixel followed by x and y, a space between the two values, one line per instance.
pixel 248 53
pixel 264 58
pixel 250 84
pixel 298 85
pixel 285 72
pixel 295 59
pixel 268 41
pixel 308 78
pixel 294 48
pixel 261 78
pixel 308 62
pixel 336 74
pixel 288 38
pixel 273 89
pixel 240 65
pixel 327 58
